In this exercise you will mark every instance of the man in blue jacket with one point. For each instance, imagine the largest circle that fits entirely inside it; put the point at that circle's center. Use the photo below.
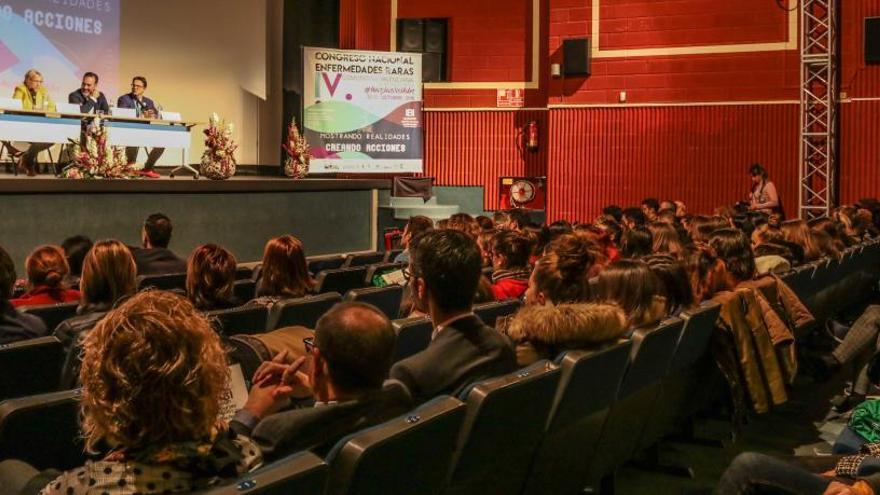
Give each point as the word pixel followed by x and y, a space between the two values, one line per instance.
pixel 144 108
pixel 89 99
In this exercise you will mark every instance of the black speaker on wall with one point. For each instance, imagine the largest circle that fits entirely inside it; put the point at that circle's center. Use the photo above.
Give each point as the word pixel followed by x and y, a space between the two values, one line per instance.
pixel 576 57
pixel 410 35
pixel 435 36
pixel 872 40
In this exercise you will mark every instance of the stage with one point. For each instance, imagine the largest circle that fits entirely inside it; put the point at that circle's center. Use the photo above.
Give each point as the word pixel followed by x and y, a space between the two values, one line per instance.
pixel 328 215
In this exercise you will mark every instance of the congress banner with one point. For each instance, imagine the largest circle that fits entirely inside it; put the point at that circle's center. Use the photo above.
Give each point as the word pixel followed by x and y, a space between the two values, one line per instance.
pixel 61 39
pixel 362 111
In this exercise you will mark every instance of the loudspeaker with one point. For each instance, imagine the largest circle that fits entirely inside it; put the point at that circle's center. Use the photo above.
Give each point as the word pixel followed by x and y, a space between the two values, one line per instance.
pixel 410 35
pixel 576 57
pixel 872 40
pixel 435 36
pixel 433 67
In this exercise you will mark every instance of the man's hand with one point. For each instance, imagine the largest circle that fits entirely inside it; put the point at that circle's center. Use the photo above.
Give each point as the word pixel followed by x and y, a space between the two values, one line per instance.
pixel 275 382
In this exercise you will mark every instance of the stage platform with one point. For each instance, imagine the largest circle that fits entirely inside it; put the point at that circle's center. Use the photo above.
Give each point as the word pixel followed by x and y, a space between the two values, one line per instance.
pixel 328 215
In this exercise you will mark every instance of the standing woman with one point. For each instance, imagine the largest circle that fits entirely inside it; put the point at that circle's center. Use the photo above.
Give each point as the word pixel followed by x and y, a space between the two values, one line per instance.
pixel 763 197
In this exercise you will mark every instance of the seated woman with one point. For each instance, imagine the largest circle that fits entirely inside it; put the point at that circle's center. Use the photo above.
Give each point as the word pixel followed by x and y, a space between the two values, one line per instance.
pixel 109 275
pixel 75 250
pixel 153 375
pixel 666 239
pixel 633 286
pixel 679 294
pixel 46 268
pixel 558 315
pixel 14 325
pixel 636 243
pixel 510 263
pixel 705 271
pixel 284 273
pixel 210 278
pixel 797 232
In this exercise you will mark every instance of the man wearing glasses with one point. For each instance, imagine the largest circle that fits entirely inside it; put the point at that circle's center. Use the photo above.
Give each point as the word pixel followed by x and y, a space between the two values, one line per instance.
pixel 144 108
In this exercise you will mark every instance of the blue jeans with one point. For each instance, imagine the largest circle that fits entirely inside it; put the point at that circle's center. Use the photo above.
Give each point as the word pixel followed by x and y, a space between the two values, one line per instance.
pixel 753 473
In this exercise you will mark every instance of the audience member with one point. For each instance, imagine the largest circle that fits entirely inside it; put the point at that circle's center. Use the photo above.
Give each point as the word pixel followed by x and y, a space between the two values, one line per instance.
pixel 350 355
pixel 485 223
pixel 650 207
pixel 154 257
pixel 75 249
pixel 210 278
pixel 14 325
pixel 665 239
pixel 706 273
pixel 510 264
pixel 153 375
pixel 284 273
pixel 560 276
pixel 445 272
pixel 415 226
pixel 634 217
pixel 797 232
pixel 464 223
pixel 613 213
pixel 637 242
pixel 46 269
pixel 671 273
pixel 633 286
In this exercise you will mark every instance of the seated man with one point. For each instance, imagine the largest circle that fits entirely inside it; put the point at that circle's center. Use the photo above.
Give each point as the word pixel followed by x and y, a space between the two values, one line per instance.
pixel 145 108
pixel 415 226
pixel 351 352
pixel 89 99
pixel 33 96
pixel 445 268
pixel 154 258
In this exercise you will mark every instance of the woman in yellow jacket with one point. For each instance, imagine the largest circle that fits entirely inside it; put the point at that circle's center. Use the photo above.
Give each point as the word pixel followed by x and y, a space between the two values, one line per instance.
pixel 33 96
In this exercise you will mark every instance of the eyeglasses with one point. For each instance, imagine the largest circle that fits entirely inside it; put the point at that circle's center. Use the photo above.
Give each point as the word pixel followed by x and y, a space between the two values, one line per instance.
pixel 137 85
pixel 309 343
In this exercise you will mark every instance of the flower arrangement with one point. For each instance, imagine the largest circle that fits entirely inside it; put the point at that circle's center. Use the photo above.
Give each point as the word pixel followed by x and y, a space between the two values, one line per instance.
pixel 95 158
pixel 296 165
pixel 218 160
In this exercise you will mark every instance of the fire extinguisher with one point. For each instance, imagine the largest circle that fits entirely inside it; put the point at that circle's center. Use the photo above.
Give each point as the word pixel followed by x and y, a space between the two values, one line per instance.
pixel 531 135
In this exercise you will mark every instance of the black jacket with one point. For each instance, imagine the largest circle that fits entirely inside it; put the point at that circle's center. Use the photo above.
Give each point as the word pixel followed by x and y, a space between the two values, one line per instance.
pixel 86 105
pixel 464 352
pixel 319 428
pixel 86 318
pixel 157 261
pixel 16 326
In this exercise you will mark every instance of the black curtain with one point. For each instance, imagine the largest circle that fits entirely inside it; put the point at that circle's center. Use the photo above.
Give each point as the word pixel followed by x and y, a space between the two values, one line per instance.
pixel 306 23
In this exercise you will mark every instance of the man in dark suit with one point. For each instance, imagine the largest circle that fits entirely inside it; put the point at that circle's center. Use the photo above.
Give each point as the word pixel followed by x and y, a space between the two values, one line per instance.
pixel 154 258
pixel 89 99
pixel 444 271
pixel 144 108
pixel 351 353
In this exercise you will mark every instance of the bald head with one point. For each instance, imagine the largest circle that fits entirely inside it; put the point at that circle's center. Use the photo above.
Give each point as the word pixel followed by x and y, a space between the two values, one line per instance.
pixel 357 342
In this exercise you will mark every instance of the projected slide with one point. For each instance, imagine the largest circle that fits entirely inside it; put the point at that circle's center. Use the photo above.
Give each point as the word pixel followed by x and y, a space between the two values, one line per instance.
pixel 61 39
pixel 363 110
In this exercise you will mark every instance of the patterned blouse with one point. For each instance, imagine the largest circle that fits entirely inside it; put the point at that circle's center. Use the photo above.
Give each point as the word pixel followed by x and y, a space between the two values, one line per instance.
pixel 183 467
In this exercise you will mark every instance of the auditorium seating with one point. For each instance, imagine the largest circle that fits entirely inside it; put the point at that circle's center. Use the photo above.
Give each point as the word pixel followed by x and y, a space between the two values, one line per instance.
pixel 303 311
pixel 380 269
pixel 30 367
pixel 302 473
pixel 52 314
pixel 340 280
pixel 387 299
pixel 328 262
pixel 587 390
pixel 490 311
pixel 413 335
pixel 170 281
pixel 249 319
pixel 503 426
pixel 244 272
pixel 409 454
pixel 42 430
pixel 363 259
pixel 244 290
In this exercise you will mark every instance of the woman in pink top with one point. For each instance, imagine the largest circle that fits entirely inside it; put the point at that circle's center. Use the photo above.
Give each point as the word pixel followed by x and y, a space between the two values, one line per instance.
pixel 763 197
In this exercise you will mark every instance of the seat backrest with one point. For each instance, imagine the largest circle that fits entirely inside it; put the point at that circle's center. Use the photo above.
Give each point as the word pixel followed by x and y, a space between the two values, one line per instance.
pixel 413 336
pixel 380 269
pixel 168 281
pixel 30 367
pixel 490 311
pixel 409 454
pixel 244 290
pixel 327 262
pixel 363 259
pixel 387 299
pixel 503 426
pixel 652 352
pixel 303 311
pixel 42 430
pixel 244 272
pixel 247 320
pixel 302 473
pixel 340 280
pixel 695 336
pixel 53 314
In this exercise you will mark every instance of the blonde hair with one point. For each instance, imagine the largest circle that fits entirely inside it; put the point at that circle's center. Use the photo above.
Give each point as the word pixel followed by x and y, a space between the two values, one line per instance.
pixel 109 273
pixel 30 74
pixel 153 371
